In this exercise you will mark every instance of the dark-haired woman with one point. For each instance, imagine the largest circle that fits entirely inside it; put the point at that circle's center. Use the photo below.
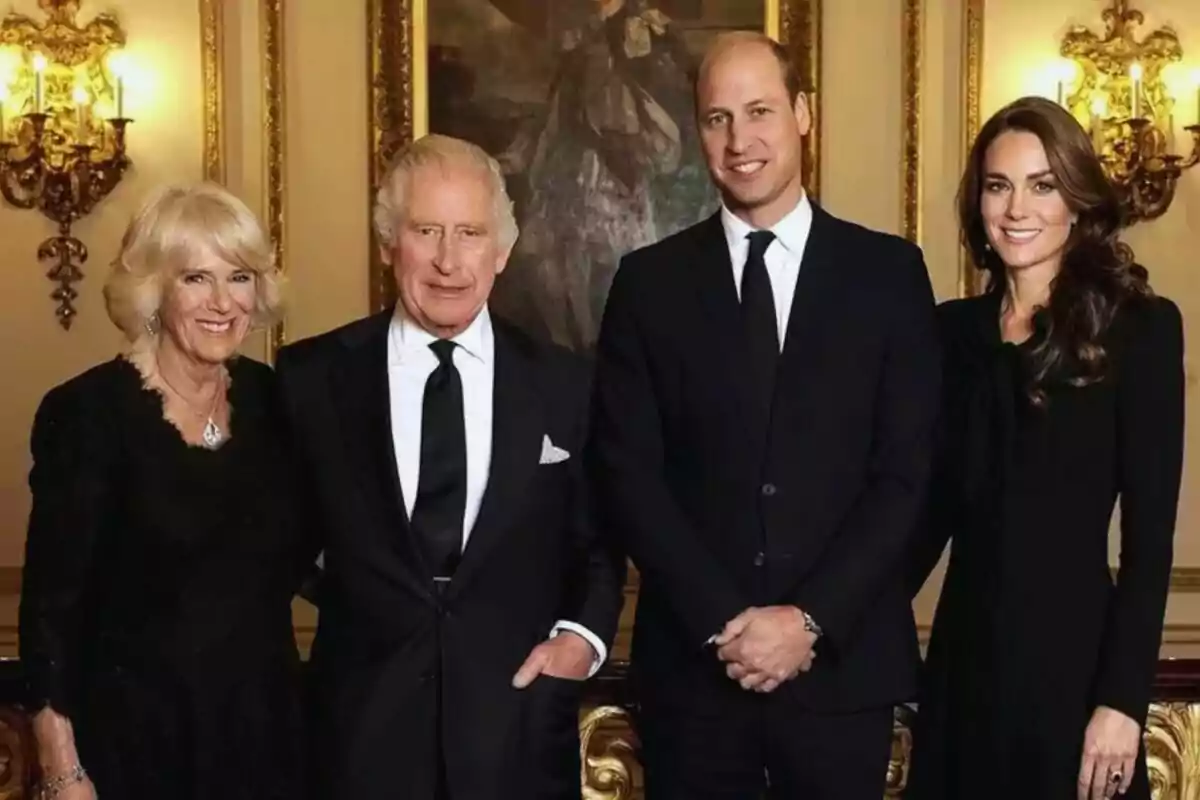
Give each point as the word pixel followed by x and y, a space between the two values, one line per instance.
pixel 1063 392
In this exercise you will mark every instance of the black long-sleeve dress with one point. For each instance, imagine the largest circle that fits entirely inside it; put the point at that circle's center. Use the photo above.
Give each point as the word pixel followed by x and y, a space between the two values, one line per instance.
pixel 155 606
pixel 1031 632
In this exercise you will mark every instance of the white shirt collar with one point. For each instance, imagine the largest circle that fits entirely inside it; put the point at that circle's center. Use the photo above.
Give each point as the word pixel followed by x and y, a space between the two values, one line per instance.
pixel 477 340
pixel 791 231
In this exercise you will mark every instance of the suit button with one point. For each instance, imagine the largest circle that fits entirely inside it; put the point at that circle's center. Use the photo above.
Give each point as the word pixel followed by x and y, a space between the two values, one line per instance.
pixel 760 558
pixel 426 676
pixel 769 489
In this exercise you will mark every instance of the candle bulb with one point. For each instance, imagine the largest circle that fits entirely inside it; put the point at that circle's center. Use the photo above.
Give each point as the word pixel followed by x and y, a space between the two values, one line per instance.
pixel 1060 93
pixel 1135 90
pixel 39 66
pixel 1170 134
pixel 3 100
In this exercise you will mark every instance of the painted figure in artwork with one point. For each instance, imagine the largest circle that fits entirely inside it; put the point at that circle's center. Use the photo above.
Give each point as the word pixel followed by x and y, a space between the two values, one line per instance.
pixel 607 166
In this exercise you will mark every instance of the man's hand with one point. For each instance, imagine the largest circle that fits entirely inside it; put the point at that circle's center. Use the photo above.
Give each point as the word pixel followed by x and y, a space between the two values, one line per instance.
pixel 765 647
pixel 566 655
pixel 1110 751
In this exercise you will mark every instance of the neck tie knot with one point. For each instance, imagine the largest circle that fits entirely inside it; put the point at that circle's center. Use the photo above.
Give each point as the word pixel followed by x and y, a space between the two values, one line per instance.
pixel 444 350
pixel 759 242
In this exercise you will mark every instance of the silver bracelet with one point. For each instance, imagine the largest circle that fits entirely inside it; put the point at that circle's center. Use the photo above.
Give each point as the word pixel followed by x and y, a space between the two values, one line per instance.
pixel 49 789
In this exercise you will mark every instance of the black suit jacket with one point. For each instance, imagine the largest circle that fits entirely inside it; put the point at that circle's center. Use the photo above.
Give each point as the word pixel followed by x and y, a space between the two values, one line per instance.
pixel 385 639
pixel 721 508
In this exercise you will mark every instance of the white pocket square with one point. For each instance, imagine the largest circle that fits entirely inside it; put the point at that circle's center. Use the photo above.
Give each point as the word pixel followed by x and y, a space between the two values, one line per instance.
pixel 552 454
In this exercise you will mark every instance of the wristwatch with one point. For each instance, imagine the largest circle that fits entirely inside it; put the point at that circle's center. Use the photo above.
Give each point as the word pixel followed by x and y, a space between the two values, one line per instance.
pixel 811 625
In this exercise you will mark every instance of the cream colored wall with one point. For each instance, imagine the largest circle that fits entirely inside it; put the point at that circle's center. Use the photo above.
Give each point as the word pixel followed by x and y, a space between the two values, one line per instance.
pixel 860 176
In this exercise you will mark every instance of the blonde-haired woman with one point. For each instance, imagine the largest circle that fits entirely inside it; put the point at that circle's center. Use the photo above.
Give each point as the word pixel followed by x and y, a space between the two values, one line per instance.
pixel 161 559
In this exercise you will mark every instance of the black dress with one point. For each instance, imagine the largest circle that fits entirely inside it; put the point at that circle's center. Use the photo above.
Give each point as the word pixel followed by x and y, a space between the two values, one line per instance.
pixel 1031 632
pixel 155 606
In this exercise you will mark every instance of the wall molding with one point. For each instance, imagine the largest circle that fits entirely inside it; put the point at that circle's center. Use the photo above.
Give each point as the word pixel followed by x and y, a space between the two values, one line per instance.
pixel 913 23
pixel 212 40
pixel 970 280
pixel 275 144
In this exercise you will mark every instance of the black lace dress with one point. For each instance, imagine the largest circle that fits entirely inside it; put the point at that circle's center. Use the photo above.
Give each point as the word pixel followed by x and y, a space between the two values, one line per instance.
pixel 155 606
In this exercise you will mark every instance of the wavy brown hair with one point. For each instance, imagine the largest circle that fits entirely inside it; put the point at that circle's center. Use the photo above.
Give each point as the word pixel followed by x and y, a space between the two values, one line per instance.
pixel 1098 274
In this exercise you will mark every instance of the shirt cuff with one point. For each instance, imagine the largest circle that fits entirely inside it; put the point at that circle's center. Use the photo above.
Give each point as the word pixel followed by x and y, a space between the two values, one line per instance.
pixel 598 646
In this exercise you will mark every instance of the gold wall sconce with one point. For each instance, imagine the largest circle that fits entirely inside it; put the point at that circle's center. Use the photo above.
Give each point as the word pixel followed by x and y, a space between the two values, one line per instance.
pixel 1121 89
pixel 62 127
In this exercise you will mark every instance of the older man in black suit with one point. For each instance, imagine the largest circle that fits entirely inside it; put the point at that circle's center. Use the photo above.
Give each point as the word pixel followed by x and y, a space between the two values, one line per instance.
pixel 465 595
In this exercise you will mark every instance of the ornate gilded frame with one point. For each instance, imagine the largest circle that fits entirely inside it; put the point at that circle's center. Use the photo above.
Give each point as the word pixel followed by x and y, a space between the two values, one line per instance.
pixel 970 280
pixel 275 144
pixel 912 23
pixel 397 36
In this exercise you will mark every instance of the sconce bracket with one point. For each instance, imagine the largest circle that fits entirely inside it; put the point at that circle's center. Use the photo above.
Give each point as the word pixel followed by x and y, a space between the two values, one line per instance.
pixel 60 151
pixel 1134 133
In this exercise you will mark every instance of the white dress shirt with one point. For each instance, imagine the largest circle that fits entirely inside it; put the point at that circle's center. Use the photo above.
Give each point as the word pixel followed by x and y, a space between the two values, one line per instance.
pixel 782 257
pixel 410 363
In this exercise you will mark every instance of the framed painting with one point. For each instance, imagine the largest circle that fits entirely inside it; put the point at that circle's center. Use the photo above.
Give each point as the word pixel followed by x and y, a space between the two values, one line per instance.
pixel 587 105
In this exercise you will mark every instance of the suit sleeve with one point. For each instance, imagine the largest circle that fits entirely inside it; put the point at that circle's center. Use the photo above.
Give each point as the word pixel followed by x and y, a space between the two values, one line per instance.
pixel 595 582
pixel 942 512
pixel 940 516
pixel 1150 412
pixel 627 463
pixel 873 544
pixel 309 534
pixel 71 486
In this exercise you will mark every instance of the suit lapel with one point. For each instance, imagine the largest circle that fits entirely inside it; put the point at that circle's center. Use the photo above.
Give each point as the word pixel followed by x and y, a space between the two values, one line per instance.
pixel 812 298
pixel 360 388
pixel 724 344
pixel 517 430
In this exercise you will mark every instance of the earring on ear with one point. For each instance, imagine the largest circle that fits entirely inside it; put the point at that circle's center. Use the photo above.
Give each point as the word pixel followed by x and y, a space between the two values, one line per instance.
pixel 152 324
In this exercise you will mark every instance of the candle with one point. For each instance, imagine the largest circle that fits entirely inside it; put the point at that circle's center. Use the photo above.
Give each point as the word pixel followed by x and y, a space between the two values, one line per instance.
pixel 1099 109
pixel 1170 134
pixel 116 63
pixel 3 100
pixel 80 96
pixel 1060 93
pixel 39 66
pixel 1135 89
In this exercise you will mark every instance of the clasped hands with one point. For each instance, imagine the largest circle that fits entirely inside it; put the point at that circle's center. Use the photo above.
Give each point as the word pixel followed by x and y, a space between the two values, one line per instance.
pixel 763 648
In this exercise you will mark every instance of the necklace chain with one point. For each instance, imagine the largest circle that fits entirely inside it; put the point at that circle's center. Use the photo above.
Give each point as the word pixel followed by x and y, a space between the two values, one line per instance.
pixel 212 436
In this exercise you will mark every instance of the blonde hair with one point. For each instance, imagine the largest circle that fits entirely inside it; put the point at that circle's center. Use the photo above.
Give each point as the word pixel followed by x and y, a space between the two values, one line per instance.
pixel 442 151
pixel 165 237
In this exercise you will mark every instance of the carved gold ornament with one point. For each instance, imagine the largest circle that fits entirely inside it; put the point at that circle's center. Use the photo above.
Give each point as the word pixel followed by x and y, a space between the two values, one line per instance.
pixel 62 127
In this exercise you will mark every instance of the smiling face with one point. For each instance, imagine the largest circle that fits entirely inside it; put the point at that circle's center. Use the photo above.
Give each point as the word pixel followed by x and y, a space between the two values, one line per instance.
pixel 1025 216
pixel 751 131
pixel 207 308
pixel 447 248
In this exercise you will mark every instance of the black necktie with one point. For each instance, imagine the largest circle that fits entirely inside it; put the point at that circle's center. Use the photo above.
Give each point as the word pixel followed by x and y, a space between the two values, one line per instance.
pixel 437 517
pixel 758 317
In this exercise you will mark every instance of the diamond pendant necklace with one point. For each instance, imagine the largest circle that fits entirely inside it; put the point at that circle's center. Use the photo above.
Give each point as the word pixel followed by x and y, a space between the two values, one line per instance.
pixel 212 436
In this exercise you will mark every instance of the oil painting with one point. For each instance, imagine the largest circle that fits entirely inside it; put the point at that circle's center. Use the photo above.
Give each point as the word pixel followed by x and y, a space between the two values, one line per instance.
pixel 587 106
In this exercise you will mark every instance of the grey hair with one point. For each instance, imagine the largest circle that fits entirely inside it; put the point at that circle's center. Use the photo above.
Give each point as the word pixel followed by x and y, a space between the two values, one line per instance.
pixel 440 150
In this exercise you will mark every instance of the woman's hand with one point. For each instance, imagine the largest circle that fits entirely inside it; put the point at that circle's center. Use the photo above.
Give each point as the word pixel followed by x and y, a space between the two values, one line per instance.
pixel 1110 752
